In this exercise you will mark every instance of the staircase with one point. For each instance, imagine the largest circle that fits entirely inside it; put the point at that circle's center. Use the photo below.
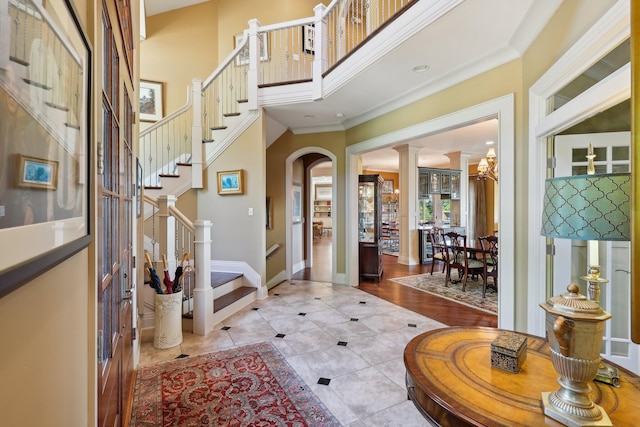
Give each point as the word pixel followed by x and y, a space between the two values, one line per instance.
pixel 177 149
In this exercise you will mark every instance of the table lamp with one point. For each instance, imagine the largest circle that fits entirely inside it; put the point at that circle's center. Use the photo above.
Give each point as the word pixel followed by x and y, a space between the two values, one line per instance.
pixel 588 207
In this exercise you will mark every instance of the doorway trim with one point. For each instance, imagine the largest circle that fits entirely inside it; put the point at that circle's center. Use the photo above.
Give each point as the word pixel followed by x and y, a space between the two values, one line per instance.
pixel 613 28
pixel 289 200
pixel 504 109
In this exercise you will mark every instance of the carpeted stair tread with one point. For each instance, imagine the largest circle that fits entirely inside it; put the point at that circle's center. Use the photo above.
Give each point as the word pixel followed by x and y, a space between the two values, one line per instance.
pixel 219 278
pixel 231 297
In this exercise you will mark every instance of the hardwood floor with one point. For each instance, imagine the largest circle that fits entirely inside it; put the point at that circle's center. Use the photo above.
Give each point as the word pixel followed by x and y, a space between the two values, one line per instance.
pixel 440 309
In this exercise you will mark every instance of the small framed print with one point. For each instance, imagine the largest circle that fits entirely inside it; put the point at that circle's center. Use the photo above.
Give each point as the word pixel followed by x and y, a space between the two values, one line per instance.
pixel 150 101
pixel 296 208
pixel 387 186
pixel 308 38
pixel 230 182
pixel 37 173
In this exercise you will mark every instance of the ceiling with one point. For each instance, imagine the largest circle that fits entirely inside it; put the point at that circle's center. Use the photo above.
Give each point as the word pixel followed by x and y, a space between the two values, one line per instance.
pixel 471 38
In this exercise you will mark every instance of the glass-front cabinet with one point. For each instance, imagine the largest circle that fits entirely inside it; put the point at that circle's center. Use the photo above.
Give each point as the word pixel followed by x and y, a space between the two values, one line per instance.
pixel 438 181
pixel 370 226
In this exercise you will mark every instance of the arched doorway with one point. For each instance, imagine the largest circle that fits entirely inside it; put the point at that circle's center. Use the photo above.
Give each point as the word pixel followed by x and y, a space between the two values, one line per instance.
pixel 300 195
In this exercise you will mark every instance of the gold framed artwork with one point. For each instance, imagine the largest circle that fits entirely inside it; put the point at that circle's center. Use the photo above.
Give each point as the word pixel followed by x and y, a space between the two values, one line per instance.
pixel 37 173
pixel 45 177
pixel 231 182
pixel 151 101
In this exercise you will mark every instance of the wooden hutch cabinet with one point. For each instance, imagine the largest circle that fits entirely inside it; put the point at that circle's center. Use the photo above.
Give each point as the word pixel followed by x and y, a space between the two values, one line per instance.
pixel 370 226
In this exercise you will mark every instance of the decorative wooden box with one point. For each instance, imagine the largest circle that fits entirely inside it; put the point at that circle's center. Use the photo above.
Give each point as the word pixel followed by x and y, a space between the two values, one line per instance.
pixel 509 351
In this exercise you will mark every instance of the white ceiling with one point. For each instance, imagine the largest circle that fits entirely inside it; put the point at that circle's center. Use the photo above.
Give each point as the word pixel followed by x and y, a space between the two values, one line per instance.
pixel 471 38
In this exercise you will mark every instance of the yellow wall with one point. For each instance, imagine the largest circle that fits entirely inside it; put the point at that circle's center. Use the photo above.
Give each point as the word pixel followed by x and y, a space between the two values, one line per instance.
pixel 46 354
pixel 180 46
pixel 236 235
pixel 48 363
pixel 189 43
pixel 277 154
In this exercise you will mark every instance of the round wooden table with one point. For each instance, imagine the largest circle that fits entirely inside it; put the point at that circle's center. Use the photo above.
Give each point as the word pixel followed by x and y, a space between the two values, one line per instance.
pixel 451 381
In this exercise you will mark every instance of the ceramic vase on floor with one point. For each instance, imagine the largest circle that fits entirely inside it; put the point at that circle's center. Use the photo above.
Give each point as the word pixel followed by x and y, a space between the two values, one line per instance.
pixel 168 331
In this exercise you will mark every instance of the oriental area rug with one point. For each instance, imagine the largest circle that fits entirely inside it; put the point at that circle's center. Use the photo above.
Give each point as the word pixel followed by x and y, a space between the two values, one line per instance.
pixel 247 386
pixel 434 285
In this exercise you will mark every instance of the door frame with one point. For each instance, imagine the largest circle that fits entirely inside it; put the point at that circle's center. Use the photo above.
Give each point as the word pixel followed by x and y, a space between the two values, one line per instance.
pixel 504 109
pixel 289 202
pixel 610 30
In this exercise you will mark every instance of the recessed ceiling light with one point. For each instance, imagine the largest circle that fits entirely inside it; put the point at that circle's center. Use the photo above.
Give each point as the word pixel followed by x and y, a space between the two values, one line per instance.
pixel 339 115
pixel 420 68
pixel 489 142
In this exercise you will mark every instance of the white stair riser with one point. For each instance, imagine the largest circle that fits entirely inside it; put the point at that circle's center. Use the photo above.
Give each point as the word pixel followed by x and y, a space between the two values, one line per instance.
pixel 228 287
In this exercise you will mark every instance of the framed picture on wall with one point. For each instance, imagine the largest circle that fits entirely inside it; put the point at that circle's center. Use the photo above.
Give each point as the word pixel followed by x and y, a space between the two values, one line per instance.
pixel 323 191
pixel 387 186
pixel 45 207
pixel 308 37
pixel 231 182
pixel 296 212
pixel 150 101
pixel 37 173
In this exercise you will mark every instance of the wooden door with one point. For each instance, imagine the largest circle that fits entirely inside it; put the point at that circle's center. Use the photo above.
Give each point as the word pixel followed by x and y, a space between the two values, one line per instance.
pixel 116 216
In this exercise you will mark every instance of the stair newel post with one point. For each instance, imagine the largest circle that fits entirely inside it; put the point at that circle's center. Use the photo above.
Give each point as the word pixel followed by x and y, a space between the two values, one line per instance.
pixel 203 292
pixel 253 78
pixel 320 61
pixel 166 226
pixel 197 147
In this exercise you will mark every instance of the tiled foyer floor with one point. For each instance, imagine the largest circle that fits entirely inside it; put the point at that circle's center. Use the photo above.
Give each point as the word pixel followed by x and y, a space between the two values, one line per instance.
pixel 346 344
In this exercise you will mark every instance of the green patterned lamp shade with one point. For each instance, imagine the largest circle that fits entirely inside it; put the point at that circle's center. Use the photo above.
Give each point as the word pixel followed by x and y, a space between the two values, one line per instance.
pixel 588 207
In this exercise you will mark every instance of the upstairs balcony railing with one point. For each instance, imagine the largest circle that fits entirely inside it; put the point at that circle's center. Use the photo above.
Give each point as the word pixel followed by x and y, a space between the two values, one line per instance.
pixel 303 50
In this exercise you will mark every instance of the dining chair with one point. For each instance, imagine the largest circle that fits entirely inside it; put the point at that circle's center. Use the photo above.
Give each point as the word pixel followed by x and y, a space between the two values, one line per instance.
pixel 438 254
pixel 489 245
pixel 458 258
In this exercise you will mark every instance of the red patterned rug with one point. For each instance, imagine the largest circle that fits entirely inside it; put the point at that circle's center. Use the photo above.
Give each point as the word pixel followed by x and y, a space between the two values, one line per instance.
pixel 247 386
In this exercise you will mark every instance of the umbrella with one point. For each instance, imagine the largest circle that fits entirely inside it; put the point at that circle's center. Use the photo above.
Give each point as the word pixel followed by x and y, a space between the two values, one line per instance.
pixel 177 286
pixel 167 279
pixel 153 276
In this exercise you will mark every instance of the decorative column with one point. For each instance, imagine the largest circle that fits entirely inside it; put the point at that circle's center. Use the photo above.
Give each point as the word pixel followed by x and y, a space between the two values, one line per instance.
pixel 320 50
pixel 408 204
pixel 203 293
pixel 253 78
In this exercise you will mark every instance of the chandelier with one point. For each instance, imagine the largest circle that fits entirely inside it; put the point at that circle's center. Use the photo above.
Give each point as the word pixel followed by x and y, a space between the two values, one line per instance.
pixel 488 166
